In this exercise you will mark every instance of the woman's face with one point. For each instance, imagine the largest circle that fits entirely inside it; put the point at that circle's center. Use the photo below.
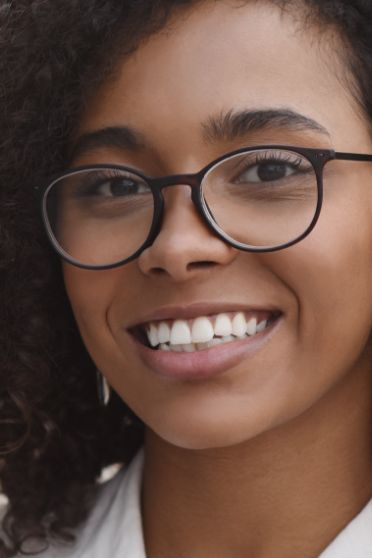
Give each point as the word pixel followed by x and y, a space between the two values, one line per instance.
pixel 211 61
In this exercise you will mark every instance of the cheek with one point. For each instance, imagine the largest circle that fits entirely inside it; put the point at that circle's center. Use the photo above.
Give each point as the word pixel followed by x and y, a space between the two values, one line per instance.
pixel 101 302
pixel 330 273
pixel 91 294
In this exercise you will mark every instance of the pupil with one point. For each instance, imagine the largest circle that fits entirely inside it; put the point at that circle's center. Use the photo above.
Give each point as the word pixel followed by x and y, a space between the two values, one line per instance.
pixel 123 186
pixel 271 171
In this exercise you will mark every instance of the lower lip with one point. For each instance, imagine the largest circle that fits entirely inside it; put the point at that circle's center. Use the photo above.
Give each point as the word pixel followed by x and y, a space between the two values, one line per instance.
pixel 206 363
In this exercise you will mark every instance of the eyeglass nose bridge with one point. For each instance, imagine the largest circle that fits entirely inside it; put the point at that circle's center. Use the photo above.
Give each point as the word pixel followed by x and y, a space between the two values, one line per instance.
pixel 194 181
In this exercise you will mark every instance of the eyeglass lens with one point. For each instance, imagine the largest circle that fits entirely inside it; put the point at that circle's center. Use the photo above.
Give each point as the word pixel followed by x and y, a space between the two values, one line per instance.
pixel 100 216
pixel 260 198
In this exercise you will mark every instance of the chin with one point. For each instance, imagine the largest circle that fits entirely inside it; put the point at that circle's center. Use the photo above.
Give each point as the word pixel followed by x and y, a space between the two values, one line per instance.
pixel 209 432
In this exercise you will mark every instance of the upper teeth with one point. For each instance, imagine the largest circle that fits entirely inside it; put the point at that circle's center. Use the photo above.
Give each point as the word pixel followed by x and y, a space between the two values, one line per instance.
pixel 203 329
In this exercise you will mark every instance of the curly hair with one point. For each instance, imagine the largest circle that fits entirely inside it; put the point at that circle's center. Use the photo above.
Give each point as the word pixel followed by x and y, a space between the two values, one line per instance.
pixel 55 438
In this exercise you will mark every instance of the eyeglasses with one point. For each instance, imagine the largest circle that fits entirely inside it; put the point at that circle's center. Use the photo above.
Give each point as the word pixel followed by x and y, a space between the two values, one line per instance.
pixel 257 199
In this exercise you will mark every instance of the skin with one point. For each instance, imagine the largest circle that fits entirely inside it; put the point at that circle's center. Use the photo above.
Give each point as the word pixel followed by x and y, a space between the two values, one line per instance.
pixel 273 457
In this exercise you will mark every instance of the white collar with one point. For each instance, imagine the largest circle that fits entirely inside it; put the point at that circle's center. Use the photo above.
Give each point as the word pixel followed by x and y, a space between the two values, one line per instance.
pixel 115 526
pixel 355 540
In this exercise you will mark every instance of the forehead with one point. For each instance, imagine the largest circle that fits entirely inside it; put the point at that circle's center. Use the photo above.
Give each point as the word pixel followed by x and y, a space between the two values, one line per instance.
pixel 220 56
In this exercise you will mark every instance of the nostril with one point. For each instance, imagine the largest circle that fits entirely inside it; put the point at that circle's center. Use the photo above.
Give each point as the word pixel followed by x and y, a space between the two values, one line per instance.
pixel 158 271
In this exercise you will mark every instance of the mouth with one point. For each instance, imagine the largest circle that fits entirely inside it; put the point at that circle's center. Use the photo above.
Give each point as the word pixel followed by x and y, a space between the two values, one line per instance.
pixel 203 332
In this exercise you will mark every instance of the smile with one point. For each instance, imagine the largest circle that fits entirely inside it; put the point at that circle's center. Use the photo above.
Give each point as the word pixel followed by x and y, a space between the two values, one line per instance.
pixel 205 332
pixel 204 346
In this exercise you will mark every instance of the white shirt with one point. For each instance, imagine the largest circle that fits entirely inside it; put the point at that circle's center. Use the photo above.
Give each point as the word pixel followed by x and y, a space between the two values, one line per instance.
pixel 114 527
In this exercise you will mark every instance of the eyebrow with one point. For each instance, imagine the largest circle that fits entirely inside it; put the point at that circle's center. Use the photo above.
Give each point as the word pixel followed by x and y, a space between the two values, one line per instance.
pixel 121 137
pixel 230 126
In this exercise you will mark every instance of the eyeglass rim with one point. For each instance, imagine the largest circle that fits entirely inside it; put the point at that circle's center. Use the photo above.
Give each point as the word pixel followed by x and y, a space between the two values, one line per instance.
pixel 316 156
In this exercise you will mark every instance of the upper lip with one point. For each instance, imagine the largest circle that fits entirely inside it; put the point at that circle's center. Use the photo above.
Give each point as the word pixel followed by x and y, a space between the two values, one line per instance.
pixel 190 311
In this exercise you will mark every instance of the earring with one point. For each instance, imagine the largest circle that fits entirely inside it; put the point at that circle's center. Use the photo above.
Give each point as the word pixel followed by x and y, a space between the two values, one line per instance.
pixel 103 389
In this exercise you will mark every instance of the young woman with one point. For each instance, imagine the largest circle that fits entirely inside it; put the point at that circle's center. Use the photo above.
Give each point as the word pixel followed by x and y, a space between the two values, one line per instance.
pixel 194 298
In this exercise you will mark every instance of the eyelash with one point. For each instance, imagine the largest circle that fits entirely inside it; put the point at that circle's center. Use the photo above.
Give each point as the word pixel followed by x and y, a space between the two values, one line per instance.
pixel 90 185
pixel 267 158
pixel 276 158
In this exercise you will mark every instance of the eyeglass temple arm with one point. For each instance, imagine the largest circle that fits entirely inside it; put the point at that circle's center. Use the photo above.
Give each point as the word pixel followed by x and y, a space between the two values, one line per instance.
pixel 352 156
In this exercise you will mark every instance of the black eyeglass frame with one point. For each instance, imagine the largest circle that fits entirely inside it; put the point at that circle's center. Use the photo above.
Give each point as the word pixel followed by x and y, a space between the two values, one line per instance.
pixel 317 157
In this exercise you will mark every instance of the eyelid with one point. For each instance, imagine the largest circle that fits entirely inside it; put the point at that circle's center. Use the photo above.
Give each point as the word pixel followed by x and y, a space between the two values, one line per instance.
pixel 259 157
pixel 95 179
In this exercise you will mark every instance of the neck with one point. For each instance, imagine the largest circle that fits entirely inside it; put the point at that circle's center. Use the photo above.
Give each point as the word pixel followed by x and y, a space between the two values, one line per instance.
pixel 287 492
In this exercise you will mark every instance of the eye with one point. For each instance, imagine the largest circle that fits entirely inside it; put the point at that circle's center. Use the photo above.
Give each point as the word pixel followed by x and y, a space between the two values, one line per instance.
pixel 269 170
pixel 120 186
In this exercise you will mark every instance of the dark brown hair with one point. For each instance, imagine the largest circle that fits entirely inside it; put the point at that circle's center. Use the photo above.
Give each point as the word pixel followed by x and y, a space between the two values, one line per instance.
pixel 54 436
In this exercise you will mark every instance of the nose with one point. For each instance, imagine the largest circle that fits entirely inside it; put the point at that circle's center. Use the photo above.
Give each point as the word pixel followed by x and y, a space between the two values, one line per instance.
pixel 185 247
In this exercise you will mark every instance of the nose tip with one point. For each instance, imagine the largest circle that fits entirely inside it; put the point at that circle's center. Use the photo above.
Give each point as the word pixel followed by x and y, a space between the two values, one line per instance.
pixel 185 246
pixel 175 264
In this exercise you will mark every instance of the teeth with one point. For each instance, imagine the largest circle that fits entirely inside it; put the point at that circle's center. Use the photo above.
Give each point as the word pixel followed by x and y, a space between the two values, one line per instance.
pixel 190 348
pixel 180 333
pixel 216 341
pixel 223 325
pixel 239 325
pixel 153 335
pixel 164 333
pixel 261 326
pixel 228 338
pixel 202 330
pixel 202 346
pixel 251 326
